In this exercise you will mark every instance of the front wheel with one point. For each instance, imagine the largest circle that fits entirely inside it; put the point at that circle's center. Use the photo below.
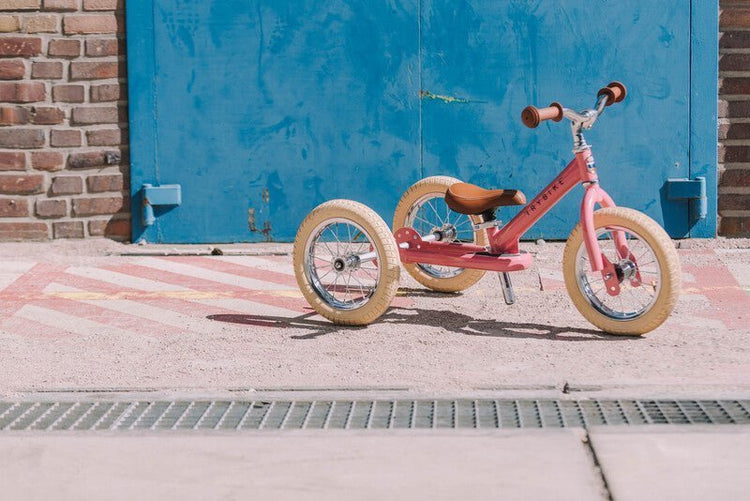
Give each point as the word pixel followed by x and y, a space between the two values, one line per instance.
pixel 649 277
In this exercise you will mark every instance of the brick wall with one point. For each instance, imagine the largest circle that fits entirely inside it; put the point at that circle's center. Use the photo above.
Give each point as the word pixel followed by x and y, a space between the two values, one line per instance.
pixel 734 118
pixel 63 120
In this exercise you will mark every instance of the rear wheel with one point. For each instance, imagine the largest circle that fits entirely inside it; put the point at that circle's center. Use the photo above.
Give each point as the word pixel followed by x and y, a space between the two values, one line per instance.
pixel 649 277
pixel 346 262
pixel 423 208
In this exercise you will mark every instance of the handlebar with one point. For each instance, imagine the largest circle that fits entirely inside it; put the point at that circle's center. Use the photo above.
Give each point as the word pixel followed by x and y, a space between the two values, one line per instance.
pixel 613 93
pixel 532 116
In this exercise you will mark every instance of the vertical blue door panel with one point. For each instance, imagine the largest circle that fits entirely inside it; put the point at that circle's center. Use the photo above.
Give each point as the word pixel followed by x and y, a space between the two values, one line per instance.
pixel 496 58
pixel 268 108
pixel 262 109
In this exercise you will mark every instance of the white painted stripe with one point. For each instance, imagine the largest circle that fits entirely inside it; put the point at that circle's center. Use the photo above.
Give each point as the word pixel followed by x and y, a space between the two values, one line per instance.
pixel 207 274
pixel 133 308
pixel 123 280
pixel 67 322
pixel 249 307
pixel 258 263
pixel 10 271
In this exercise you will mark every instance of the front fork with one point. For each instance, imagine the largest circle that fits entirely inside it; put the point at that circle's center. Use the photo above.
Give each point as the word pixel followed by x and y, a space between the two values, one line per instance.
pixel 594 195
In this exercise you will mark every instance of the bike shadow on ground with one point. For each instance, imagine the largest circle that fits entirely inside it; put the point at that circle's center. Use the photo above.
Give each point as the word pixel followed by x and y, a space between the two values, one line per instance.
pixel 444 319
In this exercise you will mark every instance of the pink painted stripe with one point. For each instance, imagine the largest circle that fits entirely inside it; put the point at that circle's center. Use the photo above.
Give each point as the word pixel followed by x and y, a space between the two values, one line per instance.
pixel 729 302
pixel 235 269
pixel 29 285
pixel 108 317
pixel 177 305
pixel 201 285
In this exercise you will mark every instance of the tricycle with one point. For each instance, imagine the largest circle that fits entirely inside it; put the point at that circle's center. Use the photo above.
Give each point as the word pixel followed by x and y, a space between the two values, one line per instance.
pixel 620 267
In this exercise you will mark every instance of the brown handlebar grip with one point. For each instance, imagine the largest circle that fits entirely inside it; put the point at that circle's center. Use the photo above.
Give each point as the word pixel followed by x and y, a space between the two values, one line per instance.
pixel 615 93
pixel 532 116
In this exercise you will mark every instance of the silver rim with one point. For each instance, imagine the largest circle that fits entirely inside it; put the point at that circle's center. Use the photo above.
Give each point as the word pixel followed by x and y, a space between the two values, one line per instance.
pixel 636 297
pixel 431 213
pixel 332 243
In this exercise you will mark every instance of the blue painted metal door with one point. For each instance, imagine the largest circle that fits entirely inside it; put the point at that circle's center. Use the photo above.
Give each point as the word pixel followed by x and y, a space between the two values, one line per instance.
pixel 261 110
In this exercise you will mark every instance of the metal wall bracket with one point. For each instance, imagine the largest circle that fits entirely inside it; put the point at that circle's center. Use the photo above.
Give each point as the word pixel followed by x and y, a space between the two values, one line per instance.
pixel 166 194
pixel 693 190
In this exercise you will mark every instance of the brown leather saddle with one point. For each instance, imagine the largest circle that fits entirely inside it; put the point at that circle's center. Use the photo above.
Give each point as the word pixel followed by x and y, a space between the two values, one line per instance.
pixel 466 198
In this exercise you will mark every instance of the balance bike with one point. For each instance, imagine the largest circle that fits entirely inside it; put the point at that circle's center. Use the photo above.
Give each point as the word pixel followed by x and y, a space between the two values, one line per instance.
pixel 621 268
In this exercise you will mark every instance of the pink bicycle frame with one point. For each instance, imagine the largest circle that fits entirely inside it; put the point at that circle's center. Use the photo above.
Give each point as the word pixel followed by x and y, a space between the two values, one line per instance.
pixel 504 252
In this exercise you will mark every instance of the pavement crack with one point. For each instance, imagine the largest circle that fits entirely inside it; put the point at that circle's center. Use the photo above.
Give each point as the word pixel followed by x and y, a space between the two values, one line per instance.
pixel 589 446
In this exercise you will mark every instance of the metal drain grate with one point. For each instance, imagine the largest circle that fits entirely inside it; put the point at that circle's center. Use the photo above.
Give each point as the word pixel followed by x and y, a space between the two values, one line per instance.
pixel 364 414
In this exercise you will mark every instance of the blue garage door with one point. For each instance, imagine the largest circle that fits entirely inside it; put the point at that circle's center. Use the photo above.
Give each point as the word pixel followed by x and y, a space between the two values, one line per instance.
pixel 261 110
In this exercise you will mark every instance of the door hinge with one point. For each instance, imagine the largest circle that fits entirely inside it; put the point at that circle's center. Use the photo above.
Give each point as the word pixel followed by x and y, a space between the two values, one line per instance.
pixel 693 190
pixel 166 194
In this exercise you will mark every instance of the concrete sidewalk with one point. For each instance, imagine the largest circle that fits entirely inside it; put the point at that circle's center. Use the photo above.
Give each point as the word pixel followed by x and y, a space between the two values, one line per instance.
pixel 645 463
pixel 89 315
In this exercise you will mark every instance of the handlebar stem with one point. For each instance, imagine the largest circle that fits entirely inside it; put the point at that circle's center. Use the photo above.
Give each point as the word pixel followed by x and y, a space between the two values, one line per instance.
pixel 584 120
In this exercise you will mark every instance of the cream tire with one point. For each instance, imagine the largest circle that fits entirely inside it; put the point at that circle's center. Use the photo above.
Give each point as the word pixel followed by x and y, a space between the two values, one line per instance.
pixel 436 186
pixel 386 265
pixel 666 262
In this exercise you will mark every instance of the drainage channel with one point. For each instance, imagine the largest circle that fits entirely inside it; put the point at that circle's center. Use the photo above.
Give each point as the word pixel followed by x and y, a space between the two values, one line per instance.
pixel 363 414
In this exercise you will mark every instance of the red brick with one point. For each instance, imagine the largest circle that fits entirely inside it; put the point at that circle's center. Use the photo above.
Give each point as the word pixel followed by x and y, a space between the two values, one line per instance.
pixel 47 116
pixel 9 24
pixel 47 69
pixel 89 24
pixel 20 46
pixel 734 202
pixel 66 185
pixel 51 208
pixel 61 5
pixel 734 40
pixel 64 47
pixel 735 178
pixel 731 154
pixel 21 138
pixel 103 47
pixel 12 69
pixel 47 160
pixel 734 18
pixel 97 206
pixel 68 93
pixel 93 159
pixel 14 115
pixel 106 92
pixel 12 160
pixel 734 62
pixel 734 85
pixel 14 207
pixel 104 182
pixel 21 4
pixel 61 138
pixel 95 115
pixel 24 92
pixel 118 229
pixel 734 226
pixel 103 4
pixel 21 184
pixel 23 231
pixel 104 137
pixel 41 24
pixel 68 229
pixel 91 71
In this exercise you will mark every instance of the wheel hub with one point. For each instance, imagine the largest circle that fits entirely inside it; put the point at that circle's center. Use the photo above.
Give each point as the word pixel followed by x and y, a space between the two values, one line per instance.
pixel 626 270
